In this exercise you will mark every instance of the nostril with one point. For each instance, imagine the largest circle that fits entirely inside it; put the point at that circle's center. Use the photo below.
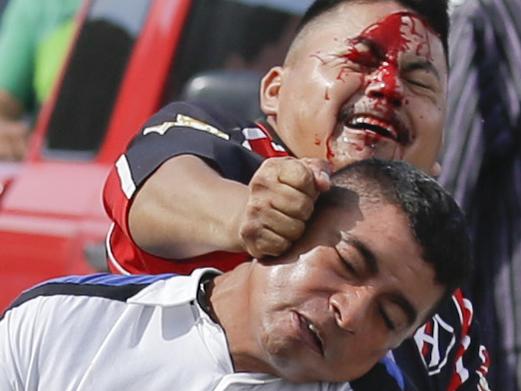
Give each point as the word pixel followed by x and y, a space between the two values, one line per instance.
pixel 342 320
pixel 336 312
pixel 376 94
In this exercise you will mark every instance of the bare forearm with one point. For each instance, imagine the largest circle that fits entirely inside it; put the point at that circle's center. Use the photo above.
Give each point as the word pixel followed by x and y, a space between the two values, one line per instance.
pixel 186 209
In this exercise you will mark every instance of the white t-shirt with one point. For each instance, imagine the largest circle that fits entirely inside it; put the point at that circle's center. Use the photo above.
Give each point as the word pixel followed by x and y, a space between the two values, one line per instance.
pixel 108 333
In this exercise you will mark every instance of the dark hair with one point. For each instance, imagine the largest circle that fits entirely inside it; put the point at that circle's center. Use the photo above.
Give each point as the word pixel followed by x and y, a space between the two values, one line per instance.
pixel 436 221
pixel 435 12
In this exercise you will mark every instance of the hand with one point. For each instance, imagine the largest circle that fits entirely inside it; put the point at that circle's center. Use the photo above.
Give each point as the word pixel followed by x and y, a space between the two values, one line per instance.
pixel 13 140
pixel 282 196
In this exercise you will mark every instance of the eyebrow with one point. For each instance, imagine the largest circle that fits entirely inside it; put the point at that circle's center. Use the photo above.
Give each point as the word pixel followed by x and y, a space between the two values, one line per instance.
pixel 371 262
pixel 422 65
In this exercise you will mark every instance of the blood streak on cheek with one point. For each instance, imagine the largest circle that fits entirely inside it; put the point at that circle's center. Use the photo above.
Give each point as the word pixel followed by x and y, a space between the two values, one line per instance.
pixel 330 153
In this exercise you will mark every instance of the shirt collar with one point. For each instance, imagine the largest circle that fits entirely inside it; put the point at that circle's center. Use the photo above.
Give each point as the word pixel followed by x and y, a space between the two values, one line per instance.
pixel 175 291
pixel 270 131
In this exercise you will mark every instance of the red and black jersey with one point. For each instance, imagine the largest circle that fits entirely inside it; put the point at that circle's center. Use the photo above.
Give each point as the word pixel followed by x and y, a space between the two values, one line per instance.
pixel 445 353
pixel 233 148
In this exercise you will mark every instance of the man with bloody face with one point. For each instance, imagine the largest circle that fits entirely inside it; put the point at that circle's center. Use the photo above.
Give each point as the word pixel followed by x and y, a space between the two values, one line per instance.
pixel 198 188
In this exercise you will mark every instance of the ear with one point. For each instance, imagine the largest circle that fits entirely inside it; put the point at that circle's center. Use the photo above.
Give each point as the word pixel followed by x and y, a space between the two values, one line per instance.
pixel 270 90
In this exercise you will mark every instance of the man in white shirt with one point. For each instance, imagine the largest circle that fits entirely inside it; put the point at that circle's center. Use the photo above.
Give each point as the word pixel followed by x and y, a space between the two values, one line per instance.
pixel 384 246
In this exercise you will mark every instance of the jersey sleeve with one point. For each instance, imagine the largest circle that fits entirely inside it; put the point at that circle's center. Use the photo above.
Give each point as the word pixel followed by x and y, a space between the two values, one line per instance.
pixel 19 347
pixel 9 376
pixel 178 129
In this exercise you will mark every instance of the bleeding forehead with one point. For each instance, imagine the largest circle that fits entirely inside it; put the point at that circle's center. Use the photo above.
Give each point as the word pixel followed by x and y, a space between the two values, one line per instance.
pixel 399 32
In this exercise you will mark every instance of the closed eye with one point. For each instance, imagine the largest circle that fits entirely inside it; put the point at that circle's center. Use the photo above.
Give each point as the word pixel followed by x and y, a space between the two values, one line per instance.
pixel 419 83
pixel 422 74
pixel 347 264
pixel 387 320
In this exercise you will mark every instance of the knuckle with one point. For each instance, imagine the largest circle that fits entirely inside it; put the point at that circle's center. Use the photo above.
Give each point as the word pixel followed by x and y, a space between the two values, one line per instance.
pixel 250 230
pixel 304 208
pixel 281 246
pixel 255 207
pixel 306 213
pixel 297 230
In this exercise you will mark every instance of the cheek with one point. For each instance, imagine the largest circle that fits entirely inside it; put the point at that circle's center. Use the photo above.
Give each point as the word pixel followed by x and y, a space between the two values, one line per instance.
pixel 427 119
pixel 361 357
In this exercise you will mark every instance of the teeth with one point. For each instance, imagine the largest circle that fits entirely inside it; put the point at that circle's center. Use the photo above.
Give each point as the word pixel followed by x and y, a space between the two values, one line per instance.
pixel 313 329
pixel 361 120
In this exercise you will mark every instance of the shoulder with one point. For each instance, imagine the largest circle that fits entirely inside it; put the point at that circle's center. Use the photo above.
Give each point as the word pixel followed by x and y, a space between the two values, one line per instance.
pixel 198 116
pixel 81 288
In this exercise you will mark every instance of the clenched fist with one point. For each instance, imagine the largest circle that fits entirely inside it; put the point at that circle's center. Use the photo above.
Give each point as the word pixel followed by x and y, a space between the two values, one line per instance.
pixel 282 197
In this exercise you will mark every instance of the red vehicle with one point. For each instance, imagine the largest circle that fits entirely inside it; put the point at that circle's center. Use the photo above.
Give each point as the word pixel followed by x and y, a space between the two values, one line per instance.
pixel 128 58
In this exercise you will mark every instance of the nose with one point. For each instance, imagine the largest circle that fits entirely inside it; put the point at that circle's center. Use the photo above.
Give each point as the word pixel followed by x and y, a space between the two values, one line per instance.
pixel 351 308
pixel 385 83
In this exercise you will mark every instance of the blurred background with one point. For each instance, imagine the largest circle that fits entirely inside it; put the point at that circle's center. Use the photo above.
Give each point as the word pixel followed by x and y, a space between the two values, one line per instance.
pixel 78 78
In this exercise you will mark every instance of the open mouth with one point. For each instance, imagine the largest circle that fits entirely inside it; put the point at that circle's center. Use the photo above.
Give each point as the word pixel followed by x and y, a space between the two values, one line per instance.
pixel 386 129
pixel 311 335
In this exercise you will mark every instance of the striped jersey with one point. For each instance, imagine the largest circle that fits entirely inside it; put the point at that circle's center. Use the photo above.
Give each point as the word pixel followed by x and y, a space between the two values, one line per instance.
pixel 234 148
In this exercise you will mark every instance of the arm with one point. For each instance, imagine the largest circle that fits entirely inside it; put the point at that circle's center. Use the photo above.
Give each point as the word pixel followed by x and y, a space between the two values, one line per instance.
pixel 210 213
pixel 186 186
pixel 175 221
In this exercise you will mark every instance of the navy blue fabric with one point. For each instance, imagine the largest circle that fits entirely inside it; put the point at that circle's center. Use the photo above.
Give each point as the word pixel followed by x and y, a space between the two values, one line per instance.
pixel 228 157
pixel 108 279
pixel 109 286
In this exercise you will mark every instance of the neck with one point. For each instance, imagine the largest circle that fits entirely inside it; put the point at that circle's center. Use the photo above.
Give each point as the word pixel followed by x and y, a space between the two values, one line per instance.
pixel 230 300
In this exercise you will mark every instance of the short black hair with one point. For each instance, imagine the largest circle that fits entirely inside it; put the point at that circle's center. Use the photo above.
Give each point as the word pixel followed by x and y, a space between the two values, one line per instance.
pixel 435 13
pixel 436 221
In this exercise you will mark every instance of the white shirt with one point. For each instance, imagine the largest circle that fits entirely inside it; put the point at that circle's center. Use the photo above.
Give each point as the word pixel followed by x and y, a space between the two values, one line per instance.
pixel 158 339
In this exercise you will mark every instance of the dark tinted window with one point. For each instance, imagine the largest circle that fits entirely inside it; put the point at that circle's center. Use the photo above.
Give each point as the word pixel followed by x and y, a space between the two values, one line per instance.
pixel 227 46
pixel 90 86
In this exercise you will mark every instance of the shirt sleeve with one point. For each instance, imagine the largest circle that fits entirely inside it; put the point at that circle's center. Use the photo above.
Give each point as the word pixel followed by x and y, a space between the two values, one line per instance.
pixel 178 129
pixel 18 348
pixel 17 49
pixel 9 379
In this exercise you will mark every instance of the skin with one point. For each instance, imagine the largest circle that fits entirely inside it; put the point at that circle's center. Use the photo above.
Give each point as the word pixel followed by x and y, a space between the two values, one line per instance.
pixel 307 101
pixel 308 116
pixel 328 282
pixel 13 131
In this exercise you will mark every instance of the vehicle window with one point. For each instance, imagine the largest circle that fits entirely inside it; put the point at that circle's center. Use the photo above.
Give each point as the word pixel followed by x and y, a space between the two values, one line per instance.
pixel 98 61
pixel 227 46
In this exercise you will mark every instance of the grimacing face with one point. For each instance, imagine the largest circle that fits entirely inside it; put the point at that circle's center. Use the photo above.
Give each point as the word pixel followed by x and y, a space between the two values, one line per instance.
pixel 365 80
pixel 334 306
